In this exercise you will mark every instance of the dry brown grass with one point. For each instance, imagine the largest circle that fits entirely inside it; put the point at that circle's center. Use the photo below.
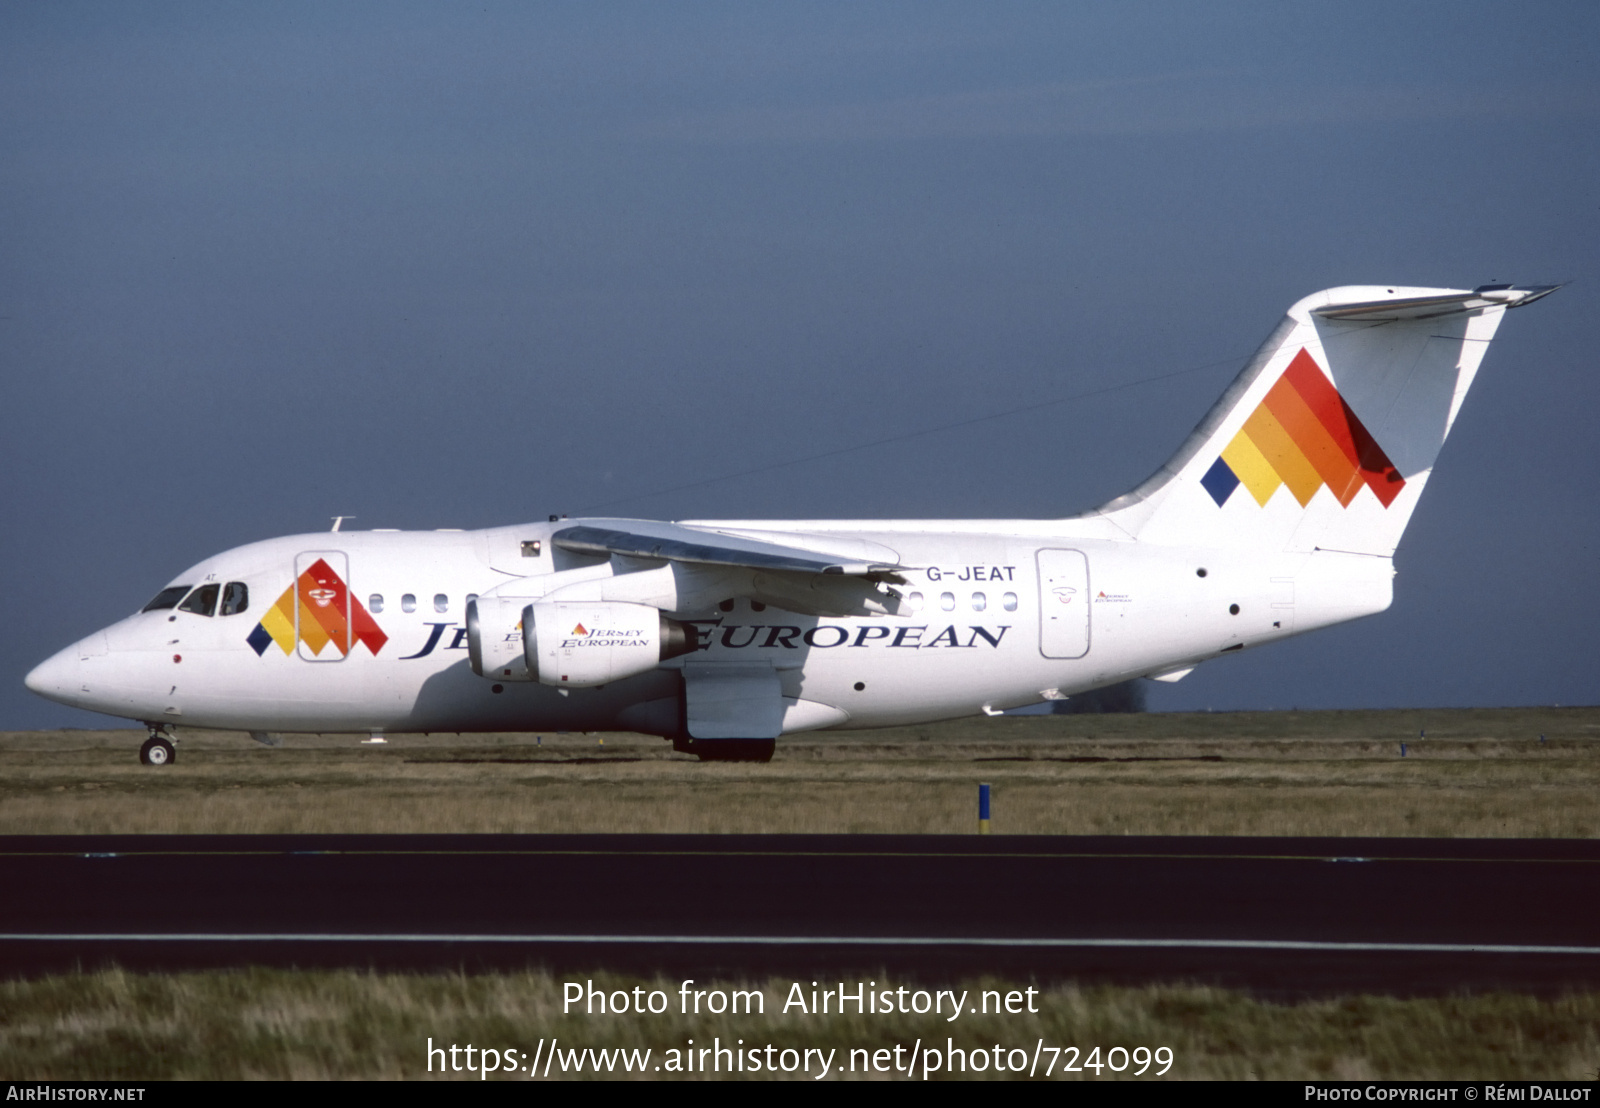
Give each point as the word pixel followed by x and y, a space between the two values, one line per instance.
pixel 1477 773
pixel 269 1024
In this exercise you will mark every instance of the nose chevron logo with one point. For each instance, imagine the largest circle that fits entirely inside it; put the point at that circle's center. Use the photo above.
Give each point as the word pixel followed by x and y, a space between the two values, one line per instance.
pixel 319 598
pixel 1303 435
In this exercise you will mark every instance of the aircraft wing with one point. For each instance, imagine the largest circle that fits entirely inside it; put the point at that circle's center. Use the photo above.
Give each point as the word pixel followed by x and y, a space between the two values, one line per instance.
pixel 674 542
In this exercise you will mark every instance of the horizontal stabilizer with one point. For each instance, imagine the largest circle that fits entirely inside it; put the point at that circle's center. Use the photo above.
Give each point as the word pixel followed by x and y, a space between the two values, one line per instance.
pixel 1429 307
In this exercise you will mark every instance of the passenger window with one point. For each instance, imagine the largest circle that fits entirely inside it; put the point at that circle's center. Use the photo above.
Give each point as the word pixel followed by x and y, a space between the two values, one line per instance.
pixel 167 598
pixel 947 601
pixel 235 598
pixel 915 601
pixel 408 603
pixel 375 603
pixel 203 601
pixel 441 602
pixel 979 602
pixel 1009 602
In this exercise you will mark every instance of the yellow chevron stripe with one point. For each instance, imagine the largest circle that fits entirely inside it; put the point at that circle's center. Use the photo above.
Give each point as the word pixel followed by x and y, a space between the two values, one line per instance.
pixel 279 621
pixel 1279 448
pixel 1253 470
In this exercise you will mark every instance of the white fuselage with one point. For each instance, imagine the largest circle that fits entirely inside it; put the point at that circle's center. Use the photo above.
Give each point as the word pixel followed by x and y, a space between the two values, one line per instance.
pixel 996 614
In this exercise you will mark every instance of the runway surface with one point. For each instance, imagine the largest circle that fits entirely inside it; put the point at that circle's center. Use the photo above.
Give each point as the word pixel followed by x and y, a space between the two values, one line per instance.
pixel 1276 915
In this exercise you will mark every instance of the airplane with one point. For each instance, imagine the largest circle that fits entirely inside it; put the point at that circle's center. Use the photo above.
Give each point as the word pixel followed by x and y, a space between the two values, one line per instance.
pixel 1278 515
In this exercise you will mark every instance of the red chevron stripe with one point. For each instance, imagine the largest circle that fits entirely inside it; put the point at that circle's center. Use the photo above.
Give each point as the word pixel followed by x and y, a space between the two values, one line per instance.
pixel 1345 429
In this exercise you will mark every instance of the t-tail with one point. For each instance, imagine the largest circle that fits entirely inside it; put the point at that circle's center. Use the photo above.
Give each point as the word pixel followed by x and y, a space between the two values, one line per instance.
pixel 1326 438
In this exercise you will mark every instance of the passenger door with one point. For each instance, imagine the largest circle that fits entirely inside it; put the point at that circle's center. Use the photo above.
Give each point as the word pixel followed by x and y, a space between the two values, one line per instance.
pixel 322 605
pixel 1063 603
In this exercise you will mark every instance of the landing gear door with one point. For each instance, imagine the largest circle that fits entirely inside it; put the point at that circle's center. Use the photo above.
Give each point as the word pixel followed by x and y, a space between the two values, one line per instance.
pixel 724 701
pixel 1063 603
pixel 322 605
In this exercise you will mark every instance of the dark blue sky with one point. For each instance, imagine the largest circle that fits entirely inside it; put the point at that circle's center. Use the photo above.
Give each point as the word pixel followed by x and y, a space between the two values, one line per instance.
pixel 434 266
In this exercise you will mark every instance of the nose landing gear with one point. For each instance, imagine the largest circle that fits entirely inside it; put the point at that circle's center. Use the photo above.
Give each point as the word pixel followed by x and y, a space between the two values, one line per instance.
pixel 158 749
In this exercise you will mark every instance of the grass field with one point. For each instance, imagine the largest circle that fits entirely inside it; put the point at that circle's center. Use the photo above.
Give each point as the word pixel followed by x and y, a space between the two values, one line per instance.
pixel 274 1024
pixel 1475 773
pixel 1482 773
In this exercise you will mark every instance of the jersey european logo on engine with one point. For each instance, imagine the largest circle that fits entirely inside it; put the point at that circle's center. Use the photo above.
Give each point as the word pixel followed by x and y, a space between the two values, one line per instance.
pixel 328 616
pixel 1305 436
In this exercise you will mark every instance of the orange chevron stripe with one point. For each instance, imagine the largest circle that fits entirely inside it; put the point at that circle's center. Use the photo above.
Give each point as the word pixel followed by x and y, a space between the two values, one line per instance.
pixel 321 624
pixel 1277 445
pixel 1337 469
pixel 1324 401
pixel 1374 465
pixel 1304 435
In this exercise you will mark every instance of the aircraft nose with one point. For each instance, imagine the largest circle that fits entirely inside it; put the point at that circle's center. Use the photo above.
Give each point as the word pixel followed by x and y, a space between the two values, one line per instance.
pixel 52 678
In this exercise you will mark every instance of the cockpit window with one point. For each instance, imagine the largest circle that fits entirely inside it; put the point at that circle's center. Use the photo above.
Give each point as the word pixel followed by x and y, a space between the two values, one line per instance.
pixel 203 601
pixel 167 598
pixel 235 598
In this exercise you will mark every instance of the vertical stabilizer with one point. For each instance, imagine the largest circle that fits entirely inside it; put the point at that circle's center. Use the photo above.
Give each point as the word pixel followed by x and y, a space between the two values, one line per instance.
pixel 1327 437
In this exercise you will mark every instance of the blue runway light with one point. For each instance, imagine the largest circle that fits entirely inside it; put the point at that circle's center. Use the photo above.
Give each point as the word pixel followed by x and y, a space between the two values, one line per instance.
pixel 983 809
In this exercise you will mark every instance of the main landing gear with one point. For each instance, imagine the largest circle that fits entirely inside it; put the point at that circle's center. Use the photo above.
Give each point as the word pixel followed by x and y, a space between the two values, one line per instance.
pixel 727 750
pixel 158 749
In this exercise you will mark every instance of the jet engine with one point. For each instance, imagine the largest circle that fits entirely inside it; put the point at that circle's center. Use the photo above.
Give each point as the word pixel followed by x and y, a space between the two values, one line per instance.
pixel 494 637
pixel 586 643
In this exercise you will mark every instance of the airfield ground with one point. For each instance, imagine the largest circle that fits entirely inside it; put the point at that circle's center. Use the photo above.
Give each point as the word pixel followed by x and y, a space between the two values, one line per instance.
pixel 1464 773
pixel 1488 773
pixel 259 1023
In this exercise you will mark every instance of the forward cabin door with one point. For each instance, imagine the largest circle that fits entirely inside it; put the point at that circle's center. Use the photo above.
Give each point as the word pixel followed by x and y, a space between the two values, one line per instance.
pixel 1063 603
pixel 322 605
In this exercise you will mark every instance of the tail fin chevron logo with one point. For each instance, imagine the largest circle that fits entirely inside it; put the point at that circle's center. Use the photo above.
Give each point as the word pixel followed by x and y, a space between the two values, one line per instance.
pixel 322 621
pixel 1303 435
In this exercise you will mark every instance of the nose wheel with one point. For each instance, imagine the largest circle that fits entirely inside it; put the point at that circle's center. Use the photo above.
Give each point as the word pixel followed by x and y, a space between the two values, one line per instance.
pixel 157 750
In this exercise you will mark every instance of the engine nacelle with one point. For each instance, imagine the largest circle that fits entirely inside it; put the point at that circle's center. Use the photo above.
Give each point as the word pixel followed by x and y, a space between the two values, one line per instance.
pixel 494 638
pixel 586 643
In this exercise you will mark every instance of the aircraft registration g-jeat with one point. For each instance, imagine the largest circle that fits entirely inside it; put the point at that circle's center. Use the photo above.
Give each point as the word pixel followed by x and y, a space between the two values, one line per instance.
pixel 1280 514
